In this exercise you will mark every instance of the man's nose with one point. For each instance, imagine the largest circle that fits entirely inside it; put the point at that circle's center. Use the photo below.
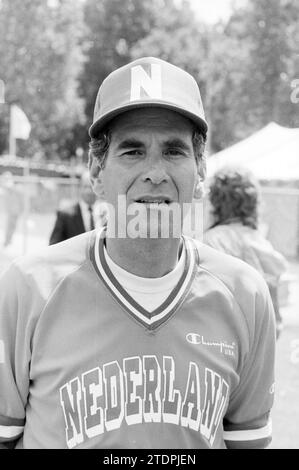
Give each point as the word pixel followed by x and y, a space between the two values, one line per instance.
pixel 156 171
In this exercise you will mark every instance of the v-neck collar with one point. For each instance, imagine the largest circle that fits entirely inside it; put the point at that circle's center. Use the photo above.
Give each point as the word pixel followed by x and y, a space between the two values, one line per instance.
pixel 154 319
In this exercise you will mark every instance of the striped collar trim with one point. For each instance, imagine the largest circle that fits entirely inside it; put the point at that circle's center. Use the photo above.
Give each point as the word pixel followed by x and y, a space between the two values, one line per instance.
pixel 160 315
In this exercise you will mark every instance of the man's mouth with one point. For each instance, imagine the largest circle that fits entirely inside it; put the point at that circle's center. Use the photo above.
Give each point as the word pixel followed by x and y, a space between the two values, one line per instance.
pixel 153 200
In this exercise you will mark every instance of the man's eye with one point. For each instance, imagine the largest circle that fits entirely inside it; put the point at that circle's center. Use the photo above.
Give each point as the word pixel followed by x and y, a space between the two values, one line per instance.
pixel 133 153
pixel 174 152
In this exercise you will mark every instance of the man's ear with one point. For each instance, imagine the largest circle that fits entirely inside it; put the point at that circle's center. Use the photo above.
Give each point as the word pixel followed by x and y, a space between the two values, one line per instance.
pixel 199 189
pixel 96 177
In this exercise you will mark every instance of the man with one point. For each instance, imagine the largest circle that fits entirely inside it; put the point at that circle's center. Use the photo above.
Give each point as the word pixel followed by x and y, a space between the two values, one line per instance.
pixel 113 340
pixel 73 219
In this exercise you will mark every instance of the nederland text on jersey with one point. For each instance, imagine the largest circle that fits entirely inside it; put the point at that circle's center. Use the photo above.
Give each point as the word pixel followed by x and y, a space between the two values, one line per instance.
pixel 141 391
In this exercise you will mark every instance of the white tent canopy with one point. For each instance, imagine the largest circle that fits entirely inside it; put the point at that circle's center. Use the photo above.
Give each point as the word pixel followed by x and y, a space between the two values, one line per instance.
pixel 271 154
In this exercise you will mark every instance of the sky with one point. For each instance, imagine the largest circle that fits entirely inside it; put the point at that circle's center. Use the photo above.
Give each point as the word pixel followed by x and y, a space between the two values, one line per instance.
pixel 213 10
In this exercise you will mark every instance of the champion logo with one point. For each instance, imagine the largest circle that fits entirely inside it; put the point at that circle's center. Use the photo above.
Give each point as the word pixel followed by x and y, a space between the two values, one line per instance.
pixel 223 346
pixel 193 338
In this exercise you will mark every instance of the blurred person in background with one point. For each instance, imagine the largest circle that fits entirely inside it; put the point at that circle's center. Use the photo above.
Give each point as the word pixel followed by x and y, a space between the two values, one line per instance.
pixel 13 206
pixel 234 197
pixel 82 216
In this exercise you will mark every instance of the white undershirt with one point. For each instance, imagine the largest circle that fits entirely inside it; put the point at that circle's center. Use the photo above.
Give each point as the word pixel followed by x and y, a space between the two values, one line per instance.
pixel 148 292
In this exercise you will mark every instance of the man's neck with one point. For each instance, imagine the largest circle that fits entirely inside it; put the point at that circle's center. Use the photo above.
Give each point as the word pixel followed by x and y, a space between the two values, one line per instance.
pixel 144 257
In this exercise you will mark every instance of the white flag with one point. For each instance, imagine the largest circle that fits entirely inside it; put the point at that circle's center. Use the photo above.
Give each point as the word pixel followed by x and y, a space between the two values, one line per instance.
pixel 20 127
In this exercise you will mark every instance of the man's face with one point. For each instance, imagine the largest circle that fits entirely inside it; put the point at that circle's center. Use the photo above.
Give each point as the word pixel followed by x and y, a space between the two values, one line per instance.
pixel 150 160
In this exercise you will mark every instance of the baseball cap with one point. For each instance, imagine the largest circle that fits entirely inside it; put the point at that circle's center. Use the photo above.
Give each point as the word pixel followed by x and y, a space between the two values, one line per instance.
pixel 148 82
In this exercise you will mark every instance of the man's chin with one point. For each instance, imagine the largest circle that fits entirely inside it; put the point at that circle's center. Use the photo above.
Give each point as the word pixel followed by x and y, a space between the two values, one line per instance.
pixel 153 229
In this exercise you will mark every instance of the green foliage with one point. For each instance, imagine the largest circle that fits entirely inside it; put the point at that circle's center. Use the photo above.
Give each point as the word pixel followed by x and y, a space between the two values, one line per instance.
pixel 257 55
pixel 55 54
pixel 178 38
pixel 40 62
pixel 271 57
pixel 112 29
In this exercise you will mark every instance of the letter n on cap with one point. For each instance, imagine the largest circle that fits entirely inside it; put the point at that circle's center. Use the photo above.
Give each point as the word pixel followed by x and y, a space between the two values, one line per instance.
pixel 150 84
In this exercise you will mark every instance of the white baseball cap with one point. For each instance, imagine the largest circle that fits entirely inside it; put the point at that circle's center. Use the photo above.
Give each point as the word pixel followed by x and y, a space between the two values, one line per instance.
pixel 148 82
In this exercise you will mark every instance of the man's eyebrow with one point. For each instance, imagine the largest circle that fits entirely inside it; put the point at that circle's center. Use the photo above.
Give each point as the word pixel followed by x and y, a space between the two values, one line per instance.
pixel 176 143
pixel 130 143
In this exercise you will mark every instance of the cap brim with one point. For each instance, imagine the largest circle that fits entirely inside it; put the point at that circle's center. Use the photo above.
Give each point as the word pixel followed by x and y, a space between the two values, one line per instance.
pixel 102 121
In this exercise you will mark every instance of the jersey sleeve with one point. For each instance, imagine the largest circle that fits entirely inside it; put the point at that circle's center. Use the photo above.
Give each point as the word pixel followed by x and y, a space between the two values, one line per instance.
pixel 14 355
pixel 247 422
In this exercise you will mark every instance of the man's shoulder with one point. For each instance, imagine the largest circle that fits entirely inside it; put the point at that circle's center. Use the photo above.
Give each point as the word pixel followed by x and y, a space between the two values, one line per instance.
pixel 239 277
pixel 240 284
pixel 48 266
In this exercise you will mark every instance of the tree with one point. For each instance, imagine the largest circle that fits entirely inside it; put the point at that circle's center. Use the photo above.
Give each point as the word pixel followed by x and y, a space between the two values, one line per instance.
pixel 225 67
pixel 178 38
pixel 112 29
pixel 268 29
pixel 267 23
pixel 40 61
pixel 252 65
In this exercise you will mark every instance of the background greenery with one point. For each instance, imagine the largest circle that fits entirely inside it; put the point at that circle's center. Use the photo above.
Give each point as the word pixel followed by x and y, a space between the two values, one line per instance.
pixel 54 55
